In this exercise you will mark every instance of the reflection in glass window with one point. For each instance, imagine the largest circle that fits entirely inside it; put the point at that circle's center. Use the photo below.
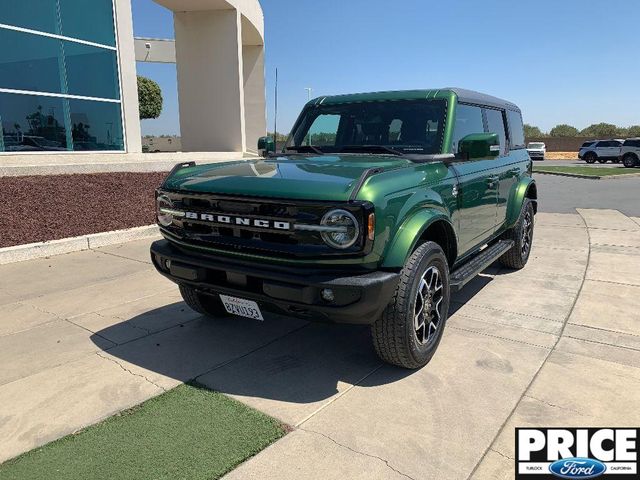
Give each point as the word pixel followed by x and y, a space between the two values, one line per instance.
pixel 96 125
pixel 86 20
pixel 468 121
pixel 30 62
pixel 516 129
pixel 91 71
pixel 41 15
pixel 323 131
pixel 495 123
pixel 32 123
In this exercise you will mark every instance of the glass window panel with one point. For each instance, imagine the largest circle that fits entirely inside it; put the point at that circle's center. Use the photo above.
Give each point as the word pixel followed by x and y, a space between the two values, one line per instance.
pixel 92 21
pixel 38 15
pixel 516 129
pixel 30 62
pixel 91 71
pixel 32 123
pixel 96 125
pixel 468 121
pixel 495 123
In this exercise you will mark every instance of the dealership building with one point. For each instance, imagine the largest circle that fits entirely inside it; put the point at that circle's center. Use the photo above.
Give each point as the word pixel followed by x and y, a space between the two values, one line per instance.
pixel 68 77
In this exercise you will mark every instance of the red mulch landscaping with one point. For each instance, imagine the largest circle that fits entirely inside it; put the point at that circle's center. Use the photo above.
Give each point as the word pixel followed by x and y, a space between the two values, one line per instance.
pixel 39 208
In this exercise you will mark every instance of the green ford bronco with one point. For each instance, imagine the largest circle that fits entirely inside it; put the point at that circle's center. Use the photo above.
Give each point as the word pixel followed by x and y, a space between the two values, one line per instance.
pixel 378 207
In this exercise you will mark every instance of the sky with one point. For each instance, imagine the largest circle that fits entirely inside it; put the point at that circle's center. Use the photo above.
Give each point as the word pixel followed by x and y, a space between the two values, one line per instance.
pixel 560 61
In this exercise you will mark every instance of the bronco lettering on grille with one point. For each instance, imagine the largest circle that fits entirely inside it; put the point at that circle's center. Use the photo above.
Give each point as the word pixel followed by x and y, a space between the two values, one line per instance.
pixel 239 221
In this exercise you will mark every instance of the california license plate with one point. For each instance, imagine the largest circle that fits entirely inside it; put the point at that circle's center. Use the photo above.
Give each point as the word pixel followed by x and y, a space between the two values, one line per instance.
pixel 241 307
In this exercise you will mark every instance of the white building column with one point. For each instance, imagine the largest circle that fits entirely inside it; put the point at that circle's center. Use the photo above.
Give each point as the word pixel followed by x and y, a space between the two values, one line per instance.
pixel 128 77
pixel 210 82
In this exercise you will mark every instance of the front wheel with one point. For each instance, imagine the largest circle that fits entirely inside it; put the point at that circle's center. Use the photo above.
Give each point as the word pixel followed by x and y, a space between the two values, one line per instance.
pixel 409 330
pixel 590 157
pixel 629 160
pixel 522 236
pixel 201 303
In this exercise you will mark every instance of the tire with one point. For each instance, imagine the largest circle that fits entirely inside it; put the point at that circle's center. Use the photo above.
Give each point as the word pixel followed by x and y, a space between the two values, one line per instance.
pixel 522 235
pixel 204 304
pixel 590 157
pixel 629 160
pixel 602 160
pixel 424 278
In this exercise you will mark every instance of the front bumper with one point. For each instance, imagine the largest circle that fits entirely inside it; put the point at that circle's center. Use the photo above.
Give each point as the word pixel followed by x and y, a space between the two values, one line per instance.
pixel 359 298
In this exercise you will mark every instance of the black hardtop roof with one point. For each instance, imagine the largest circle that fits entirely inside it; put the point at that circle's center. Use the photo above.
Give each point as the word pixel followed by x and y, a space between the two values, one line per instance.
pixel 465 96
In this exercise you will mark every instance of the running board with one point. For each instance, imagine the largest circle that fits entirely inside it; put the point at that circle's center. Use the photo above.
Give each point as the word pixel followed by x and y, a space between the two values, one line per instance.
pixel 464 274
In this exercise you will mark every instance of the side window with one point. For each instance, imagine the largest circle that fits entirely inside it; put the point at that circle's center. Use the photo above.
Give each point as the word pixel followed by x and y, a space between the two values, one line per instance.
pixel 495 123
pixel 468 121
pixel 516 129
pixel 323 131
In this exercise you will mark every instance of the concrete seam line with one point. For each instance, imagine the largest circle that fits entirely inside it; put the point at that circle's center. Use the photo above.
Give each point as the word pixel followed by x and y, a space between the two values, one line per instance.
pixel 386 462
pixel 544 360
pixel 337 397
pixel 50 248
pixel 132 373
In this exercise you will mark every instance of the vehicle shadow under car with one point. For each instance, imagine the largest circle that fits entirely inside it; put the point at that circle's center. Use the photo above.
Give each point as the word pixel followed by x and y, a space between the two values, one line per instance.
pixel 283 358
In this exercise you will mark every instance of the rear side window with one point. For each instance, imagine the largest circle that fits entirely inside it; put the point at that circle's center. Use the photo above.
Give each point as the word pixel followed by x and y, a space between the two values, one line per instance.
pixel 632 143
pixel 468 121
pixel 516 129
pixel 495 124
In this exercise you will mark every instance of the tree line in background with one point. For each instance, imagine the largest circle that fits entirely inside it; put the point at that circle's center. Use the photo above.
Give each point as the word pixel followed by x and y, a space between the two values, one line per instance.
pixel 597 130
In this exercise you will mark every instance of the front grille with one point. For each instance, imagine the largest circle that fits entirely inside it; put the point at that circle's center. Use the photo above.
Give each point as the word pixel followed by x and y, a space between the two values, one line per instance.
pixel 249 238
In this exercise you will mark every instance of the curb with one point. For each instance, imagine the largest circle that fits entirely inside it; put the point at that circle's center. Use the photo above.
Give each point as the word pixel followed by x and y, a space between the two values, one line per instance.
pixel 589 177
pixel 31 251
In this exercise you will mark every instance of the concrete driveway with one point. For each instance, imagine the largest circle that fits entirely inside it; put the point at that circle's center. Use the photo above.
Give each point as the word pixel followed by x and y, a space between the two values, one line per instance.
pixel 85 335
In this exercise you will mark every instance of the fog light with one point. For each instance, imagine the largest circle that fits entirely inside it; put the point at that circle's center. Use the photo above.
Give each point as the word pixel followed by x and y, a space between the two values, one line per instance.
pixel 167 264
pixel 327 295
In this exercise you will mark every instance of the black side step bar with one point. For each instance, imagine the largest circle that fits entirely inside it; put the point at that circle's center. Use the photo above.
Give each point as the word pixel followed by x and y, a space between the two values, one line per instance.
pixel 464 274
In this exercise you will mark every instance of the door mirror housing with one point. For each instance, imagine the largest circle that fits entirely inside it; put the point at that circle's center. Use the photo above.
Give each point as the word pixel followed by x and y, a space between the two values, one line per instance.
pixel 266 145
pixel 480 145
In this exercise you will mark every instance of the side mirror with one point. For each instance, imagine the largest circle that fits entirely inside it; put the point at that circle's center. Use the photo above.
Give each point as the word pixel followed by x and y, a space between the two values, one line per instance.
pixel 480 145
pixel 266 145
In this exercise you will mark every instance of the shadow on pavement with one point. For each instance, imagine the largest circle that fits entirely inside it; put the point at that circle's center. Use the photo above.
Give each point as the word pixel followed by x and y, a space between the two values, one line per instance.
pixel 282 358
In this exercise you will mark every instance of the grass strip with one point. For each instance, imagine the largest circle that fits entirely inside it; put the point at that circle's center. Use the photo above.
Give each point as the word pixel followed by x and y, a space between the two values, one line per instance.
pixel 188 433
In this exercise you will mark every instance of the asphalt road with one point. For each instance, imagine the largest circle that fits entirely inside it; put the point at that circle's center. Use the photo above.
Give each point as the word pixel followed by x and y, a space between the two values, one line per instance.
pixel 565 194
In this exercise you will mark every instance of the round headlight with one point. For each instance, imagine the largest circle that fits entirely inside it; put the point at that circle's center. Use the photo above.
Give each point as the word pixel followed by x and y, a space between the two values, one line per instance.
pixel 342 229
pixel 163 202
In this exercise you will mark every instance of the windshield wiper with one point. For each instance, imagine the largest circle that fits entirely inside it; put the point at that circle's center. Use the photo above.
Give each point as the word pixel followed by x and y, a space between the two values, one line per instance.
pixel 306 149
pixel 371 149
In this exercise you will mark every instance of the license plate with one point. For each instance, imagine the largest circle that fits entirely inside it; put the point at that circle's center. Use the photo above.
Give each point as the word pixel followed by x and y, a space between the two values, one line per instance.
pixel 241 307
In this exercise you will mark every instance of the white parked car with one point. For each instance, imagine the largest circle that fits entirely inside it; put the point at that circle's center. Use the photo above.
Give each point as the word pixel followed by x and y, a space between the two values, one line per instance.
pixel 537 150
pixel 601 151
pixel 630 152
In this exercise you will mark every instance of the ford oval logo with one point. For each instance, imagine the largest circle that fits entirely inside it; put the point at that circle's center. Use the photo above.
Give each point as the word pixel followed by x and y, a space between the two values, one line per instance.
pixel 577 468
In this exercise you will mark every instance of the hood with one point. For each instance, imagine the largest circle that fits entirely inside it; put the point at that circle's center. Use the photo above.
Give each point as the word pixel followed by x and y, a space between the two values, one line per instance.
pixel 326 177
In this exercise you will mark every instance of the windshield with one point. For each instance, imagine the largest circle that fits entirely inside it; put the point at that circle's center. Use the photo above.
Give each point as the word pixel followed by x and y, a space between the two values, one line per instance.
pixel 399 127
pixel 535 145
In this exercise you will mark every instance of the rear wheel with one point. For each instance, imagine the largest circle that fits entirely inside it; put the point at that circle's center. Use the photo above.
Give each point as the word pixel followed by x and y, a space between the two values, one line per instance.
pixel 522 235
pixel 409 330
pixel 205 304
pixel 629 160
pixel 590 157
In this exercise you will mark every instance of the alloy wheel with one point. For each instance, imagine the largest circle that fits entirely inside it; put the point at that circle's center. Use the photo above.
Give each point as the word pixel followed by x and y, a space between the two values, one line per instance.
pixel 427 314
pixel 527 233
